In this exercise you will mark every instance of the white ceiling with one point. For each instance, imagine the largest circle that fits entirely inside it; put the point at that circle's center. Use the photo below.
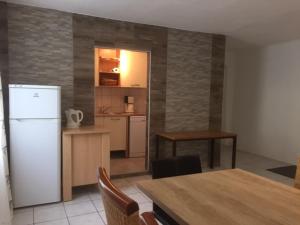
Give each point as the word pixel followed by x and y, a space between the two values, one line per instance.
pixel 258 22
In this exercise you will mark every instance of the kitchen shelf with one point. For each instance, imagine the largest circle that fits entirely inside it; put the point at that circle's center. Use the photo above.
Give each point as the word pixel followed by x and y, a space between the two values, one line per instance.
pixel 109 59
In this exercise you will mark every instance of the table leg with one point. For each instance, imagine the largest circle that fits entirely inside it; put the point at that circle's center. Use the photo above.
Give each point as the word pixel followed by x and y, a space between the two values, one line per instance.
pixel 212 153
pixel 67 167
pixel 174 148
pixel 157 147
pixel 234 152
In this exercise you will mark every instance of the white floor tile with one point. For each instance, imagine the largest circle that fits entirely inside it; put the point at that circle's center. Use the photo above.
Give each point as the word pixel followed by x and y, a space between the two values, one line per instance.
pixel 23 210
pixel 45 214
pixel 95 195
pixel 130 189
pixel 55 222
pixel 78 197
pixel 139 198
pixel 99 205
pixel 121 182
pixel 49 205
pixel 88 219
pixel 80 208
pixel 103 216
pixel 24 217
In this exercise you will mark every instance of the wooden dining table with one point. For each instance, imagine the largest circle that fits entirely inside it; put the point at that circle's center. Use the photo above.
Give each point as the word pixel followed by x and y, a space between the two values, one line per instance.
pixel 207 135
pixel 227 197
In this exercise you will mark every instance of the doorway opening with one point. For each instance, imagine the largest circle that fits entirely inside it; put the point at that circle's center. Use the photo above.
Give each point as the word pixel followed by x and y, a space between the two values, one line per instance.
pixel 122 97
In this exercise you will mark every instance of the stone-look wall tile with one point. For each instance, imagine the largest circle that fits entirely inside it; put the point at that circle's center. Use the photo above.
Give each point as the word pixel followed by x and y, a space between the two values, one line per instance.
pixel 51 47
pixel 188 86
pixel 89 32
pixel 217 79
pixel 41 49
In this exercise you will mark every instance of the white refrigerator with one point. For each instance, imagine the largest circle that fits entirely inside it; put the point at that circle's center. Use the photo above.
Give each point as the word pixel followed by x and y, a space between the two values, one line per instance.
pixel 35 149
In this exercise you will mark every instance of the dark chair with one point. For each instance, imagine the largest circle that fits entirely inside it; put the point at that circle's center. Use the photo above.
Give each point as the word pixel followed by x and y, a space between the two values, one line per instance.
pixel 189 164
pixel 163 168
pixel 176 166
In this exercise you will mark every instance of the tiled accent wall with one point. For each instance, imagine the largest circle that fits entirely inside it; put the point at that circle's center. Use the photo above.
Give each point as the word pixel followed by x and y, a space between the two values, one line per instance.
pixel 114 99
pixel 57 48
pixel 41 49
pixel 217 80
pixel 193 86
pixel 188 80
pixel 90 32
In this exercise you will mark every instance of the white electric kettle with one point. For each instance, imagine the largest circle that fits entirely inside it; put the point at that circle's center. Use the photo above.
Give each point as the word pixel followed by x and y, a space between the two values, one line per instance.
pixel 74 117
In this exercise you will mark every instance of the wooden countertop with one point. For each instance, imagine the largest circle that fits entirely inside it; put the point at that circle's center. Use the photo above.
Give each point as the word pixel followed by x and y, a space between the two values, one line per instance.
pixel 118 114
pixel 86 130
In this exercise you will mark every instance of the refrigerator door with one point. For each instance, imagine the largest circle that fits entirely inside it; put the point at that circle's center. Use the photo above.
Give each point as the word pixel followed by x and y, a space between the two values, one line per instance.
pixel 35 161
pixel 30 101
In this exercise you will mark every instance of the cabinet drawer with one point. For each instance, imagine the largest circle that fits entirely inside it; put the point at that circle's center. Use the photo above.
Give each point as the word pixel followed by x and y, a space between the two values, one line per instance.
pixel 118 132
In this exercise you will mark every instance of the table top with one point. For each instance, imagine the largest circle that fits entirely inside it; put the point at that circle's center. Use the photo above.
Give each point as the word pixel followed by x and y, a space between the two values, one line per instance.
pixel 227 197
pixel 196 135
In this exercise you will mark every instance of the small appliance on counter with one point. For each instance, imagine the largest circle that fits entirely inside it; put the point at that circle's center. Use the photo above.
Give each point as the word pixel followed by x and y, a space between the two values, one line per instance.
pixel 74 117
pixel 129 104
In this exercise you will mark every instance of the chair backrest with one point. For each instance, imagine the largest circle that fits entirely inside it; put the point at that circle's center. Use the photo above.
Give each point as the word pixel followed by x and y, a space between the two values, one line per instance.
pixel 163 168
pixel 189 164
pixel 297 177
pixel 119 208
pixel 176 166
pixel 148 219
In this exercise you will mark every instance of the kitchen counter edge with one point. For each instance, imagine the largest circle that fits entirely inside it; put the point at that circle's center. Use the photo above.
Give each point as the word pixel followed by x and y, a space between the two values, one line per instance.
pixel 85 130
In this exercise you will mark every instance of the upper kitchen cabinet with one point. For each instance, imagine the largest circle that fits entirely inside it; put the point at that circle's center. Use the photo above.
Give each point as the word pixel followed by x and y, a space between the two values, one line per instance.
pixel 121 68
pixel 133 69
pixel 107 67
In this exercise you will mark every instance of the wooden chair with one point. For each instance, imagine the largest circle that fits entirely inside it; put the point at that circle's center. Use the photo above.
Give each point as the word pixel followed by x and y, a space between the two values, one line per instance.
pixel 148 219
pixel 119 208
pixel 297 177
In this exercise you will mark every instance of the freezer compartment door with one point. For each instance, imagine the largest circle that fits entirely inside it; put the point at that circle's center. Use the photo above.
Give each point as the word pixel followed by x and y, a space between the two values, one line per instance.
pixel 137 136
pixel 34 103
pixel 35 161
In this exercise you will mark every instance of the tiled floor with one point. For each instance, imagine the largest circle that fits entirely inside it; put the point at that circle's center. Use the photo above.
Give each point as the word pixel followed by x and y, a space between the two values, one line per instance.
pixel 127 165
pixel 87 208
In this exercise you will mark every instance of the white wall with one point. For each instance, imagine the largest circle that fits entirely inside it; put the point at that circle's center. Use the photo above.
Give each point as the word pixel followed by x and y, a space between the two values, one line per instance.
pixel 262 100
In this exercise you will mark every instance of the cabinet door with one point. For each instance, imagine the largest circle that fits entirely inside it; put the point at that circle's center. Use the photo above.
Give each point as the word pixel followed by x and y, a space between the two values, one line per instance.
pixel 133 68
pixel 99 121
pixel 118 132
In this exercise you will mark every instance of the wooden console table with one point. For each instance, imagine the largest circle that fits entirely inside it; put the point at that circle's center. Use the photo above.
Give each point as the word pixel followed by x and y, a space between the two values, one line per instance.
pixel 85 149
pixel 209 135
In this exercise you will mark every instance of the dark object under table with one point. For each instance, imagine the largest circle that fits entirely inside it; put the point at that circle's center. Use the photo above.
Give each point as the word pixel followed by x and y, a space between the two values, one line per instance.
pixel 209 135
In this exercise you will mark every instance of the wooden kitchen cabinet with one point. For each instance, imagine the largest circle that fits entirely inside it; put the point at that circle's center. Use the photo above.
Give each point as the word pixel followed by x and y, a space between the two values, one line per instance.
pixel 85 149
pixel 133 69
pixel 99 121
pixel 117 125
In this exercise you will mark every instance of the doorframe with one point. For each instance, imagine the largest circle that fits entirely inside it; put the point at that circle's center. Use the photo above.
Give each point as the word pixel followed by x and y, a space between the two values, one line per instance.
pixel 148 110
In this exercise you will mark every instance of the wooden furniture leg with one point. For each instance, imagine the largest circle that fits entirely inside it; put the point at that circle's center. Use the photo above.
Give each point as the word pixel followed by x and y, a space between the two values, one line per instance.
pixel 174 148
pixel 212 153
pixel 67 168
pixel 234 152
